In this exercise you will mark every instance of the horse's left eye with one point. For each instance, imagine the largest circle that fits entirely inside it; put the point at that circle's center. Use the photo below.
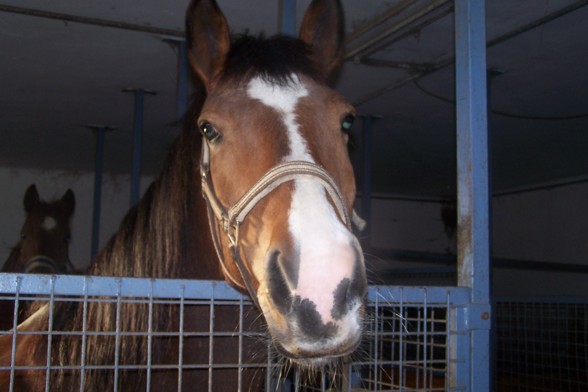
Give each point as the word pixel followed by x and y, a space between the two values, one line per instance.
pixel 208 130
pixel 347 123
pixel 67 239
pixel 23 236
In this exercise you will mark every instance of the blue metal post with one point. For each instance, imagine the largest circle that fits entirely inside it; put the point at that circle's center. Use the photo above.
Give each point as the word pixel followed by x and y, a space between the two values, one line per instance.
pixel 366 189
pixel 137 142
pixel 289 17
pixel 99 130
pixel 183 79
pixel 182 82
pixel 473 191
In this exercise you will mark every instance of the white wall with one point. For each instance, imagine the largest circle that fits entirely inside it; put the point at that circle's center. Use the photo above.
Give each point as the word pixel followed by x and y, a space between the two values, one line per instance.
pixel 544 225
pixel 549 225
pixel 52 185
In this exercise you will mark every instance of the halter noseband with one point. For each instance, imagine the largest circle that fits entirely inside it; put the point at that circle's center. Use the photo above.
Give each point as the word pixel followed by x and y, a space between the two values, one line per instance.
pixel 230 219
pixel 45 262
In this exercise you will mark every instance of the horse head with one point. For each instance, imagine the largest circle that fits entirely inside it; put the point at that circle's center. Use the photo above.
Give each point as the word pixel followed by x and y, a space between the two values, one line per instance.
pixel 45 235
pixel 277 177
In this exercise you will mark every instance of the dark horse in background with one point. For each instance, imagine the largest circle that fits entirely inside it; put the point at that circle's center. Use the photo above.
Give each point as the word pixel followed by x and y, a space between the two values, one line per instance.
pixel 43 247
pixel 267 148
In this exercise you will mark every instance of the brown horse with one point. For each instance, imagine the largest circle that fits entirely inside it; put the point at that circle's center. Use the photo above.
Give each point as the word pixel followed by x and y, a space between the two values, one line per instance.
pixel 44 242
pixel 268 152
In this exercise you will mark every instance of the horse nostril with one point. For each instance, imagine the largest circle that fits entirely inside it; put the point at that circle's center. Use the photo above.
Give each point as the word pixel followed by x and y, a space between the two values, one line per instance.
pixel 341 299
pixel 348 293
pixel 279 284
pixel 310 321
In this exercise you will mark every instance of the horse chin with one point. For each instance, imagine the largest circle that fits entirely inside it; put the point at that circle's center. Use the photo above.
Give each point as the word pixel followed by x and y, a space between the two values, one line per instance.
pixel 315 362
pixel 308 352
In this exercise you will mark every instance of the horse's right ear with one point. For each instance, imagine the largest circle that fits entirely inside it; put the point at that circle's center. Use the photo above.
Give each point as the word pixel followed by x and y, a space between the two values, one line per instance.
pixel 323 29
pixel 69 201
pixel 208 39
pixel 31 198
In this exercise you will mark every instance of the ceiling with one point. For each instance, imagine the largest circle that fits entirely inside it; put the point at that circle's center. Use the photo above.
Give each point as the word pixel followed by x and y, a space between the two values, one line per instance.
pixel 65 63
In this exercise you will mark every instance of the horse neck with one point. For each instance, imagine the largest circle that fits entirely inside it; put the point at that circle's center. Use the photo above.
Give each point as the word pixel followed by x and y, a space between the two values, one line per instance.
pixel 166 235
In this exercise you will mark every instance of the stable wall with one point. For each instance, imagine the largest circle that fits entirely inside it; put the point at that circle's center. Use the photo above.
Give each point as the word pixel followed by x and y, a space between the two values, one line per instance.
pixel 543 225
pixel 549 225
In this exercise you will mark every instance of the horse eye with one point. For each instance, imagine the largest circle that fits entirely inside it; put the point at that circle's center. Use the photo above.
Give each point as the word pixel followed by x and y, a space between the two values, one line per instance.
pixel 67 239
pixel 23 236
pixel 208 130
pixel 347 123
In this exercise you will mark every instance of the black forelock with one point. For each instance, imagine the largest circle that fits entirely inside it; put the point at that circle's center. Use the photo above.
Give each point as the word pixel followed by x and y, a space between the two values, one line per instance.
pixel 274 59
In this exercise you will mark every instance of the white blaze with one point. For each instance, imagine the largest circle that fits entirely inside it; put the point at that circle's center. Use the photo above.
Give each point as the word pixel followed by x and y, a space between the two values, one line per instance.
pixel 49 223
pixel 326 257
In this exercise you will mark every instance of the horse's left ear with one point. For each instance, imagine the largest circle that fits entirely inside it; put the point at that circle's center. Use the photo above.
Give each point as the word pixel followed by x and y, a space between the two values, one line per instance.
pixel 69 201
pixel 31 198
pixel 323 29
pixel 208 39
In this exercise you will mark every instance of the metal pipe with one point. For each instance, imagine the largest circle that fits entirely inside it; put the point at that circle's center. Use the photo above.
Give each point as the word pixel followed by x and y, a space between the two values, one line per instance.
pixel 137 141
pixel 446 260
pixel 472 148
pixel 473 194
pixel 392 29
pixel 288 17
pixel 546 19
pixel 99 131
pixel 378 20
pixel 182 81
pixel 439 13
pixel 89 21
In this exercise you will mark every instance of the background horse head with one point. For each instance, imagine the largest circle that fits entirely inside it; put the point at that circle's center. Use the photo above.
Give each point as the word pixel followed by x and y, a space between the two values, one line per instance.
pixel 44 236
pixel 278 180
pixel 43 247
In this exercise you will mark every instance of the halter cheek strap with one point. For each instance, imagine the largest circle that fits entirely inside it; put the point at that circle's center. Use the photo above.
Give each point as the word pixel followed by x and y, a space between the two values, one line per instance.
pixel 229 220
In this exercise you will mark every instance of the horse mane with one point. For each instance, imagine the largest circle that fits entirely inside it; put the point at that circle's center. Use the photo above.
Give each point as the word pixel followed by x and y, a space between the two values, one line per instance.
pixel 274 59
pixel 154 240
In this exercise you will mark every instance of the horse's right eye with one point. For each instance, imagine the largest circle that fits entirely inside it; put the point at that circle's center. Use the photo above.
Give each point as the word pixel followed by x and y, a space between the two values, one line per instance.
pixel 208 130
pixel 347 123
pixel 23 236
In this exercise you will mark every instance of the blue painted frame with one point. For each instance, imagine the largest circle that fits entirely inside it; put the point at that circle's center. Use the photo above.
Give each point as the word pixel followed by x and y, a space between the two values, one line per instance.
pixel 472 193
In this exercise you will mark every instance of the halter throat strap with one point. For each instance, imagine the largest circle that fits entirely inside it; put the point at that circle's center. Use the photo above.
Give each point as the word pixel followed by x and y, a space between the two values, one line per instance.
pixel 230 219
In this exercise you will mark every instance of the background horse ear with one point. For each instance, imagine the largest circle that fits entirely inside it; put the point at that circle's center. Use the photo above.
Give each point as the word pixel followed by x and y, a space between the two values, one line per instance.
pixel 68 200
pixel 31 198
pixel 208 39
pixel 323 29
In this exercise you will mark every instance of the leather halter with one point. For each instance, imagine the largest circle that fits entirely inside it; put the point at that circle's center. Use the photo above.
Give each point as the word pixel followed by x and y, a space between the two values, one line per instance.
pixel 230 219
pixel 45 262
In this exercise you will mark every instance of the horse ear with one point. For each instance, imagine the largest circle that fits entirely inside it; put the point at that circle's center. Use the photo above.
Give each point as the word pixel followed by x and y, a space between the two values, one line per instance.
pixel 323 29
pixel 31 198
pixel 69 201
pixel 208 39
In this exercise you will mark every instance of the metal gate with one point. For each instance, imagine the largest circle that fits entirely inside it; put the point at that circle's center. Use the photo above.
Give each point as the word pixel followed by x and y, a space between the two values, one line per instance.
pixel 416 339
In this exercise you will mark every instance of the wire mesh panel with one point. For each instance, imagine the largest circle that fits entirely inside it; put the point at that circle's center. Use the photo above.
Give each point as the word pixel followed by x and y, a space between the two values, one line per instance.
pixel 203 334
pixel 407 340
pixel 541 346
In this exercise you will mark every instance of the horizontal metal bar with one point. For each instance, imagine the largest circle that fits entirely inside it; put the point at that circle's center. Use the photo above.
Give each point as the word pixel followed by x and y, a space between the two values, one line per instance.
pixel 108 286
pixel 71 285
pixel 89 21
pixel 448 259
pixel 393 295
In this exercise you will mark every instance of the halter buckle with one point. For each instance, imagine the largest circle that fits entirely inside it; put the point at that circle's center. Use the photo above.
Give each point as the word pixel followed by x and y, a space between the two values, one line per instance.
pixel 231 229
